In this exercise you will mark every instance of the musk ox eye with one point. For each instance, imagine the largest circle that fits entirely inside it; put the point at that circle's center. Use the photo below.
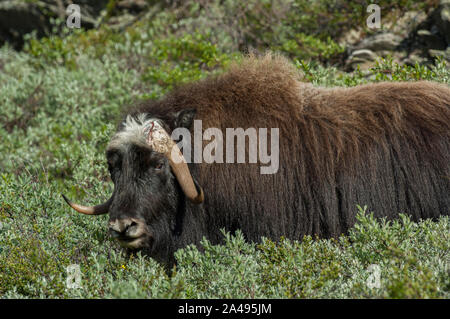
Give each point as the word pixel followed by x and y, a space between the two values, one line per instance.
pixel 158 166
pixel 113 160
pixel 113 171
pixel 112 167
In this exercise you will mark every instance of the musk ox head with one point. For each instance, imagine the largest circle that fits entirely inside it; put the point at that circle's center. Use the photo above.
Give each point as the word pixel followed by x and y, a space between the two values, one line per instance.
pixel 150 176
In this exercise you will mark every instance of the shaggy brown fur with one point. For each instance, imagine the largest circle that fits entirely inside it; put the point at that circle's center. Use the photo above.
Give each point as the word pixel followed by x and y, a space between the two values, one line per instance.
pixel 384 145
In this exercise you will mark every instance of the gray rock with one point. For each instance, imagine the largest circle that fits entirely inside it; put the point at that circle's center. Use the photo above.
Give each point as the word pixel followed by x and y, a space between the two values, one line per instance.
pixel 413 58
pixel 363 54
pixel 444 53
pixel 363 58
pixel 406 24
pixel 18 17
pixel 379 42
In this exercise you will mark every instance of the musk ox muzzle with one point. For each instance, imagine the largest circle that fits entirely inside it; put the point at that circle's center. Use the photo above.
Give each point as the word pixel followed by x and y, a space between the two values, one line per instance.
pixel 130 232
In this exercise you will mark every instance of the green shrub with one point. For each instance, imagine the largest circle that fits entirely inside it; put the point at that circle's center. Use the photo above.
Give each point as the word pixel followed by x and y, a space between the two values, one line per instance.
pixel 59 105
pixel 181 60
pixel 383 70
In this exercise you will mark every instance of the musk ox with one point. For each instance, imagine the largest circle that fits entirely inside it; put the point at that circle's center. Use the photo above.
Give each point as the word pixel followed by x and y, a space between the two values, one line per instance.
pixel 384 145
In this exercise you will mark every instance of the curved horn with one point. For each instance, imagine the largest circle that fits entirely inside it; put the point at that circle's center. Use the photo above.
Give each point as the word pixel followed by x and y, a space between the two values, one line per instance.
pixel 90 210
pixel 161 142
pixel 192 190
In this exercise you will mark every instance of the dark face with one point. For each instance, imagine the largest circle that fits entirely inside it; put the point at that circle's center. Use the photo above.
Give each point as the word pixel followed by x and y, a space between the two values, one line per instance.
pixel 144 199
pixel 147 195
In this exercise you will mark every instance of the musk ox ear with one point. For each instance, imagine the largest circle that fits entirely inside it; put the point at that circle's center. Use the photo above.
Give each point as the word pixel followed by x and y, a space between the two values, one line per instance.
pixel 184 118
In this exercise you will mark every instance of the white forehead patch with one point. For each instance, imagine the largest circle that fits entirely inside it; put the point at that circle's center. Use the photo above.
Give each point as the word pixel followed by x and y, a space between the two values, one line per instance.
pixel 135 129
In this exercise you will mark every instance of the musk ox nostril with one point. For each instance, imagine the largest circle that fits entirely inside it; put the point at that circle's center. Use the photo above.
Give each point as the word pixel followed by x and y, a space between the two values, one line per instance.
pixel 125 228
pixel 118 227
pixel 133 223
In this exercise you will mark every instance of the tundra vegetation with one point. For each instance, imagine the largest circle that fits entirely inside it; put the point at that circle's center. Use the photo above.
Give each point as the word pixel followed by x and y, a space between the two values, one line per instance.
pixel 60 100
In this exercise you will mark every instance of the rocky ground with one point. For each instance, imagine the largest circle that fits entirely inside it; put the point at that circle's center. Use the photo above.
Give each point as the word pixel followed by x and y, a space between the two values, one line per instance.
pixel 415 37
